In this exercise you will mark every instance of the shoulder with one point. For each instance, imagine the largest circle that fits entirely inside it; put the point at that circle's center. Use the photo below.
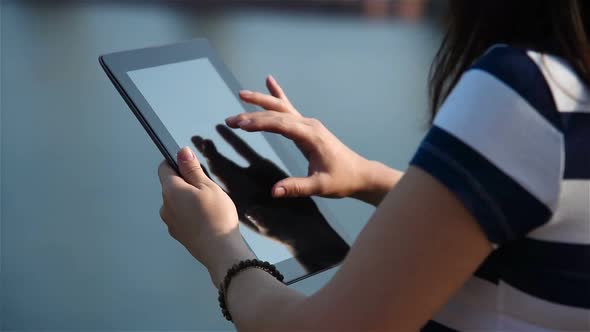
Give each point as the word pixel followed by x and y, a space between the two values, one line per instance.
pixel 496 143
pixel 507 63
pixel 503 90
pixel 511 74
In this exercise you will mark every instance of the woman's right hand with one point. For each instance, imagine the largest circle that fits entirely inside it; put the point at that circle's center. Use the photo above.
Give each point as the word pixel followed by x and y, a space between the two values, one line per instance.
pixel 334 169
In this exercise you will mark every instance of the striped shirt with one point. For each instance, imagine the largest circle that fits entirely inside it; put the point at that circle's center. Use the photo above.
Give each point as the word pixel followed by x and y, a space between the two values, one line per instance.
pixel 512 143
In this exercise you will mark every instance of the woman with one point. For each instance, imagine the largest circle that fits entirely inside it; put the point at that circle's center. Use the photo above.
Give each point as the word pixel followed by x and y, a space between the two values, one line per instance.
pixel 489 227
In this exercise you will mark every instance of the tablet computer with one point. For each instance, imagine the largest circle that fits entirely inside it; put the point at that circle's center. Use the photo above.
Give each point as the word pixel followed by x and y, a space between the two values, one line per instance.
pixel 181 94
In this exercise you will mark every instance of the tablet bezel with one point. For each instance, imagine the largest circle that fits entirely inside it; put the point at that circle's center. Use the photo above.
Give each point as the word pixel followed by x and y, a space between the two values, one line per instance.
pixel 117 65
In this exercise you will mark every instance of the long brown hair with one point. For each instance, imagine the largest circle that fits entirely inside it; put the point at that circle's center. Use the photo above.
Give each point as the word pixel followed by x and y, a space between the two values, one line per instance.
pixel 558 27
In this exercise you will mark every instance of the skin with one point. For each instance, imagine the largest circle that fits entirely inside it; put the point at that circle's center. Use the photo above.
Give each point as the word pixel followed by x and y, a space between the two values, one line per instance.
pixel 386 282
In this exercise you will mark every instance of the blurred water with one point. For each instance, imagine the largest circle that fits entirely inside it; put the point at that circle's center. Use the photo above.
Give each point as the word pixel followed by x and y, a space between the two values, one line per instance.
pixel 82 246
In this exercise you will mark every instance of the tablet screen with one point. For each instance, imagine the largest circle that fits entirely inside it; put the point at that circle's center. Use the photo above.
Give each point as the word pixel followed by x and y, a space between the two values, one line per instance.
pixel 192 100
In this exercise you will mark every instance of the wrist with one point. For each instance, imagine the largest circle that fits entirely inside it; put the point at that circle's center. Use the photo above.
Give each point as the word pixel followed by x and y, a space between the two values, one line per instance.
pixel 231 250
pixel 377 180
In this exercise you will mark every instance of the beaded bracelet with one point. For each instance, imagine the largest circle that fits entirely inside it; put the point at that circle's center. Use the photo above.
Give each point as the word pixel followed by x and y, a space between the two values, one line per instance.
pixel 237 268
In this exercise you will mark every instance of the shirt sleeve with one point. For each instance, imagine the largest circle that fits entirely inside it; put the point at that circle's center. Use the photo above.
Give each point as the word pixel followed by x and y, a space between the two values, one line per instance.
pixel 496 144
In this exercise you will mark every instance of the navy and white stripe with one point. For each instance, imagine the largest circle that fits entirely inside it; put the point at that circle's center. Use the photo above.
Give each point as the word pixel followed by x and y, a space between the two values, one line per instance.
pixel 512 142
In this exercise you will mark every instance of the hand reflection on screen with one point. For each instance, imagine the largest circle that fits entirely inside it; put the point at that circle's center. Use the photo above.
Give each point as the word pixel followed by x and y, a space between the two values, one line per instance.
pixel 295 222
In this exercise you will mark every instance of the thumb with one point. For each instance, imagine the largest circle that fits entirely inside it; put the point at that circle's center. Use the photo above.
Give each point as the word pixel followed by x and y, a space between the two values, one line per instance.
pixel 190 168
pixel 297 187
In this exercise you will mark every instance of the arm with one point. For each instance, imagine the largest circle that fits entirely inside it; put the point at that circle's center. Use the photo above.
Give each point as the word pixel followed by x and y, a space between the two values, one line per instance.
pixel 334 169
pixel 388 272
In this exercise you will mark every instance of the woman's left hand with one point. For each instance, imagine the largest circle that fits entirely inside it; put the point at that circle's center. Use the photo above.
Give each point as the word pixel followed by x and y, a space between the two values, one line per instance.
pixel 201 216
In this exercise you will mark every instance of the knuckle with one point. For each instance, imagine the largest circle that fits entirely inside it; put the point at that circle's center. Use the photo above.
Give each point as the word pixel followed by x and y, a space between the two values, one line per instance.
pixel 314 123
pixel 280 104
pixel 241 117
pixel 282 122
pixel 161 168
pixel 321 184
pixel 204 184
pixel 194 170
pixel 172 185
pixel 172 232
pixel 167 192
pixel 258 96
pixel 297 189
pixel 171 190
pixel 253 122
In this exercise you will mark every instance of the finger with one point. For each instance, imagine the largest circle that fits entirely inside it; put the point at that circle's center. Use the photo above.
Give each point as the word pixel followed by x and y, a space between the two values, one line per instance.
pixel 170 180
pixel 274 88
pixel 190 168
pixel 265 101
pixel 298 187
pixel 234 121
pixel 238 144
pixel 167 174
pixel 279 123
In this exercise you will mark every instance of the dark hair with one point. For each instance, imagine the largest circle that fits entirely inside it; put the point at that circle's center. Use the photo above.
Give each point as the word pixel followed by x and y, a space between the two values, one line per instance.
pixel 549 26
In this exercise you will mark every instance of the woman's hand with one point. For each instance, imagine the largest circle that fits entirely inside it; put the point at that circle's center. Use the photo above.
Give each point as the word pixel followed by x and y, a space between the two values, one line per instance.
pixel 334 169
pixel 201 216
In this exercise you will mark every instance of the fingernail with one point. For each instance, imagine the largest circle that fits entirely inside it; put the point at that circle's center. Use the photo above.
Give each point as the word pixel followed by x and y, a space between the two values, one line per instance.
pixel 246 92
pixel 231 118
pixel 244 123
pixel 280 192
pixel 270 77
pixel 185 154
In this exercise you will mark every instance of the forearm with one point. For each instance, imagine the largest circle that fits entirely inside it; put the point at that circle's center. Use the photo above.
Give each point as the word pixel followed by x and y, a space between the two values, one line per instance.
pixel 379 179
